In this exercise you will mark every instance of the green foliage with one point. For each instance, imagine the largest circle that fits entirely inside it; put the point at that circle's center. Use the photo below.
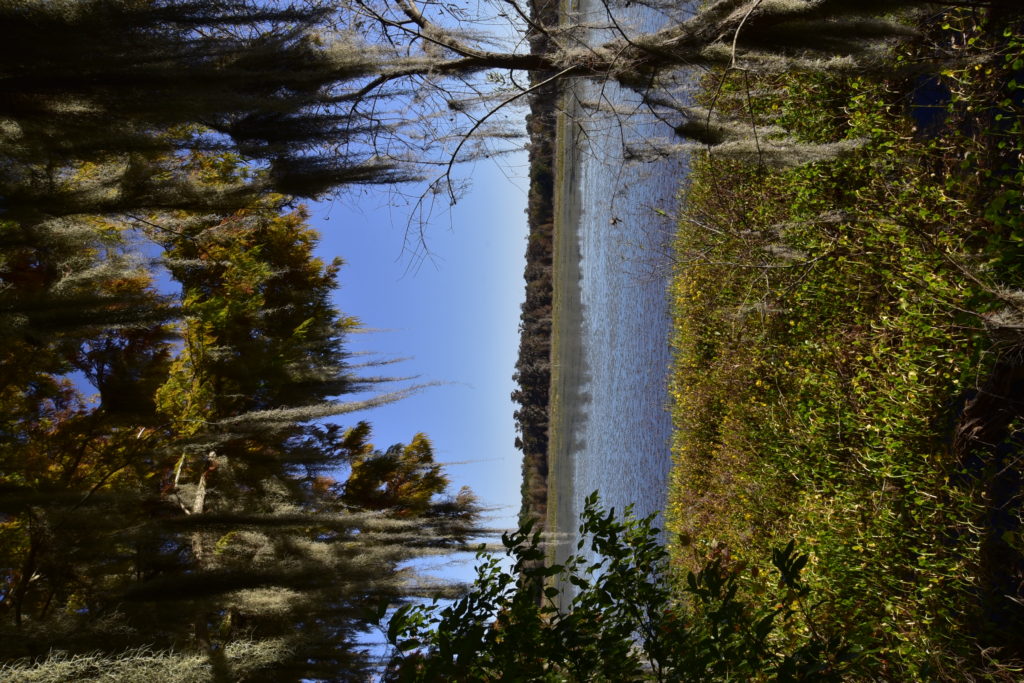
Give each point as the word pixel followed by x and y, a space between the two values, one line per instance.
pixel 404 478
pixel 625 622
pixel 193 519
pixel 533 366
pixel 835 328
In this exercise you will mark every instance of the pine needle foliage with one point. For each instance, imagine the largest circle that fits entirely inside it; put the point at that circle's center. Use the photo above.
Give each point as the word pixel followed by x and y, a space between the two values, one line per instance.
pixel 193 523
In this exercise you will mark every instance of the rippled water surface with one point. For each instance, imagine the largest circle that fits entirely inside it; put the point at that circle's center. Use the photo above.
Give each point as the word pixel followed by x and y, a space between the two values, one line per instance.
pixel 622 445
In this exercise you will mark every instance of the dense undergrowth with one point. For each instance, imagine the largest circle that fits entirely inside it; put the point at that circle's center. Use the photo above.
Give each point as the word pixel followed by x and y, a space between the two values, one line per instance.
pixel 848 352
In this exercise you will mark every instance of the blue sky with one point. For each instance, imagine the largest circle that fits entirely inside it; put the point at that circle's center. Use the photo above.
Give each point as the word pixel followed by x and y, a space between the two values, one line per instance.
pixel 455 315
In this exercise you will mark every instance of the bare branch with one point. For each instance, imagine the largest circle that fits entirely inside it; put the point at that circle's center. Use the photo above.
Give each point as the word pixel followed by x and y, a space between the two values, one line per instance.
pixel 504 103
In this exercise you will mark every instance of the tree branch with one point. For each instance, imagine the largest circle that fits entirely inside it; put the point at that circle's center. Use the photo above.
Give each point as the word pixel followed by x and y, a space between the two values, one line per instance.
pixel 479 122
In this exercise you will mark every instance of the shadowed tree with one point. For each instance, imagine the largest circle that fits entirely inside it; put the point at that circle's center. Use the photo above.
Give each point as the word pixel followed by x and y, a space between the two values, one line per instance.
pixel 403 478
pixel 187 513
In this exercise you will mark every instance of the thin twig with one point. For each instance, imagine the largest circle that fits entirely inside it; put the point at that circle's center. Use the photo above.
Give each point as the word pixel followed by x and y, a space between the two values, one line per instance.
pixel 736 35
pixel 753 120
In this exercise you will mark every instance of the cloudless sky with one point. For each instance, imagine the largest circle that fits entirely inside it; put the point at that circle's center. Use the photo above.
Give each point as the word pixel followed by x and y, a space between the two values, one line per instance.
pixel 455 315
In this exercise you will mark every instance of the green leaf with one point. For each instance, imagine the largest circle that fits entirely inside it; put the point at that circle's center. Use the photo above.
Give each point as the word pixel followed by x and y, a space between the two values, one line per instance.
pixel 410 644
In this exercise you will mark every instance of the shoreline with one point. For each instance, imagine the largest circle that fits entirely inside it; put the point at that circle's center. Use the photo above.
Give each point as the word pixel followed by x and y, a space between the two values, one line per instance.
pixel 568 367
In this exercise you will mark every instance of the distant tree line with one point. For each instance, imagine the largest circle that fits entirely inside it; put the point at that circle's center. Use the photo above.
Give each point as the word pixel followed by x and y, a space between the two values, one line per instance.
pixel 533 368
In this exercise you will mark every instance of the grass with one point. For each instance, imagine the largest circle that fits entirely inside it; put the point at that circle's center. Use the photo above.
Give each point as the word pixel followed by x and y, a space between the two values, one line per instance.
pixel 836 329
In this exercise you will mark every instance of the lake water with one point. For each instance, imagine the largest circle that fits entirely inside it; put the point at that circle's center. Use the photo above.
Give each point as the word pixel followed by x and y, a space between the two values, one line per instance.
pixel 620 439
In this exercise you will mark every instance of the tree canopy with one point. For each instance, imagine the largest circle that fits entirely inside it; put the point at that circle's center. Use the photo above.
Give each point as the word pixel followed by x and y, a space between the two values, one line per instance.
pixel 199 515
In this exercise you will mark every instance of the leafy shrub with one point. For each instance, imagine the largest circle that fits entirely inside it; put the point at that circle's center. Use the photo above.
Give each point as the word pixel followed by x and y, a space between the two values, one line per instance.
pixel 625 622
